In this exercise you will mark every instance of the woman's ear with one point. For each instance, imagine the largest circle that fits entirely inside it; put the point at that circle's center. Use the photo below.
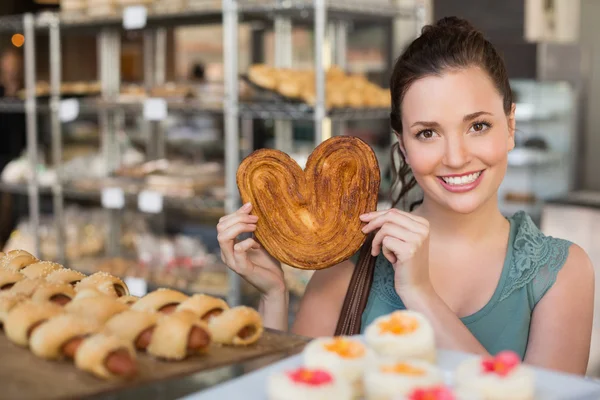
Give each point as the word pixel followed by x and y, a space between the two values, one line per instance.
pixel 401 145
pixel 511 127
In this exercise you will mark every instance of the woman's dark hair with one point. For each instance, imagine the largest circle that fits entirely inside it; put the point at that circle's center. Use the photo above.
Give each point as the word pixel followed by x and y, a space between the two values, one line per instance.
pixel 450 44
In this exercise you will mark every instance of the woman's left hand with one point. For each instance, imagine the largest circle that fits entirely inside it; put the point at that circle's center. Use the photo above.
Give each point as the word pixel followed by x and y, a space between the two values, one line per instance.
pixel 404 240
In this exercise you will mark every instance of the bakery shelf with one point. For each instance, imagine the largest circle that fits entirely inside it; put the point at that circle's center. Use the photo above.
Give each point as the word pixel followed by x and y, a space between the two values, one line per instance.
pixel 137 106
pixel 300 111
pixel 11 24
pixel 12 106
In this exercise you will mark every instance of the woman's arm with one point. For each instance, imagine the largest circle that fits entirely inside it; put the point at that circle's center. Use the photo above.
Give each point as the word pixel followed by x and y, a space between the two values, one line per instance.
pixel 322 302
pixel 561 324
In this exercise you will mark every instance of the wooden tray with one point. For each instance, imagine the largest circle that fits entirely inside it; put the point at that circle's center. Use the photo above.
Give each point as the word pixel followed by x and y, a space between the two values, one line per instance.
pixel 24 376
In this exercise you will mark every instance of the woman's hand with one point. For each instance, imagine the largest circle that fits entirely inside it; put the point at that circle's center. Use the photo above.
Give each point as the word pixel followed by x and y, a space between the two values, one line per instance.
pixel 248 258
pixel 404 240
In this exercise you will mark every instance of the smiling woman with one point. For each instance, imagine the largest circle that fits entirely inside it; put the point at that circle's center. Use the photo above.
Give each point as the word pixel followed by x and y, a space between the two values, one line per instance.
pixel 485 282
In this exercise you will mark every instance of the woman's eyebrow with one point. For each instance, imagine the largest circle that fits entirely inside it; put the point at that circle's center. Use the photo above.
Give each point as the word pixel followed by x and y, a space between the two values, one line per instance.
pixel 474 115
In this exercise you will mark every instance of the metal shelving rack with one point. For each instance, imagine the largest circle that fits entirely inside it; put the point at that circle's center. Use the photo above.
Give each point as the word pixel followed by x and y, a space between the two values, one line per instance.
pixel 329 19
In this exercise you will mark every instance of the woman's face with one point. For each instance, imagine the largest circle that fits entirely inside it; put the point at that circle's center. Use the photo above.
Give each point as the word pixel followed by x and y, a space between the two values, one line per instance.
pixel 456 138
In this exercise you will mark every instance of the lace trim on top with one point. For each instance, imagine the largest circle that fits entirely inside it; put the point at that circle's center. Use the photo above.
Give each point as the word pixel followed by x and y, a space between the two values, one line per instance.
pixel 536 260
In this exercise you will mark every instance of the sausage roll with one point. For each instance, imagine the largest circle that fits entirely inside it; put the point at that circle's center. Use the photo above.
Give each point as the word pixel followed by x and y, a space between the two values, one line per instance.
pixel 59 293
pixel 205 307
pixel 105 283
pixel 100 309
pixel 8 301
pixel 8 278
pixel 129 300
pixel 178 335
pixel 163 300
pixel 65 275
pixel 27 286
pixel 106 356
pixel 137 327
pixel 40 269
pixel 24 318
pixel 239 326
pixel 60 336
pixel 17 260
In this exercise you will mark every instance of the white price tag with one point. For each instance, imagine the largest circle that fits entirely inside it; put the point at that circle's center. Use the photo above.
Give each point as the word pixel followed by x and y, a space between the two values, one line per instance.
pixel 137 286
pixel 135 17
pixel 155 109
pixel 68 110
pixel 113 198
pixel 150 202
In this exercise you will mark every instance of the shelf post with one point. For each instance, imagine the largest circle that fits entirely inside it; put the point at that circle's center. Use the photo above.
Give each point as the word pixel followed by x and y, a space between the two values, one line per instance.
pixel 322 124
pixel 283 59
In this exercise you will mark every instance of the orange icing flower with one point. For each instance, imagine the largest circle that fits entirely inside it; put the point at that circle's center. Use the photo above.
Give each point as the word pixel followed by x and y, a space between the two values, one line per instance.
pixel 345 348
pixel 403 369
pixel 311 377
pixel 503 364
pixel 434 393
pixel 399 324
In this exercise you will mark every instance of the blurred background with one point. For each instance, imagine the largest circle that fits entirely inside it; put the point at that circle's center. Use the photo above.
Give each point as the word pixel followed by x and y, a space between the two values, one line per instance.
pixel 123 121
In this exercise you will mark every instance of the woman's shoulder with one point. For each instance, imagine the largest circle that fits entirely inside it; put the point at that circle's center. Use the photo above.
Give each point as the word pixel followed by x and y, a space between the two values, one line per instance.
pixel 536 258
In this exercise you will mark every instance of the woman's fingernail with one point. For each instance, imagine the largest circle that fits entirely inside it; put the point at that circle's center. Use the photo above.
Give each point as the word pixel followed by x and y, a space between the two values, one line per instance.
pixel 236 247
pixel 246 206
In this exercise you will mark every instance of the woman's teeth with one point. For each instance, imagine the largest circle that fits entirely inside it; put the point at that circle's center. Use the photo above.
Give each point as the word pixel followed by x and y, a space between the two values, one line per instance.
pixel 461 180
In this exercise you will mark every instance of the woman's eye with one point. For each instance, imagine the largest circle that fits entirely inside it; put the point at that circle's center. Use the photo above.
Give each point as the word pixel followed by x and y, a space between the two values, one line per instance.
pixel 480 126
pixel 426 134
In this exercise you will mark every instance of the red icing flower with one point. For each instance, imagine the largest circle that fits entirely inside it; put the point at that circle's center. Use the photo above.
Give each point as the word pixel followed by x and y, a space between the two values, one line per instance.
pixel 503 364
pixel 312 377
pixel 432 393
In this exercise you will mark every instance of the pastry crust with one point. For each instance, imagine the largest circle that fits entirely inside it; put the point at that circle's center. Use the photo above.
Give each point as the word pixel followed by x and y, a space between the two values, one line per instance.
pixel 105 283
pixel 310 219
pixel 93 354
pixel 65 275
pixel 8 278
pixel 129 300
pixel 239 326
pixel 203 306
pixel 263 76
pixel 27 286
pixel 130 324
pixel 61 293
pixel 171 335
pixel 100 309
pixel 23 317
pixel 8 301
pixel 17 260
pixel 158 299
pixel 86 293
pixel 40 269
pixel 47 341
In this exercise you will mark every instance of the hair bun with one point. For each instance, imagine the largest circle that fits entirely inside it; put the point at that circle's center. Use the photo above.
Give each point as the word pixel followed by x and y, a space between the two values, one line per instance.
pixel 455 23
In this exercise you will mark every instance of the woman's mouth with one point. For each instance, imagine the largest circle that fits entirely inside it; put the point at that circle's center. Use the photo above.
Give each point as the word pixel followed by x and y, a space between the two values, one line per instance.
pixel 461 183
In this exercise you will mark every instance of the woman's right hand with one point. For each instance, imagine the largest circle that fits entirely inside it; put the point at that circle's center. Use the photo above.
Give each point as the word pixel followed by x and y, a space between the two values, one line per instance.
pixel 248 258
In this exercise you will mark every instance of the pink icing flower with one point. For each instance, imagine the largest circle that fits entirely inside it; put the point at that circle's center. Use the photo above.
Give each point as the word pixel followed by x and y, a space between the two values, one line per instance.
pixel 432 393
pixel 312 377
pixel 503 364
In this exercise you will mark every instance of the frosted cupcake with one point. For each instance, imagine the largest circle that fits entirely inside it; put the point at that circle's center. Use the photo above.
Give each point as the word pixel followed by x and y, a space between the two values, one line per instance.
pixel 343 355
pixel 307 384
pixel 402 334
pixel 391 379
pixel 495 378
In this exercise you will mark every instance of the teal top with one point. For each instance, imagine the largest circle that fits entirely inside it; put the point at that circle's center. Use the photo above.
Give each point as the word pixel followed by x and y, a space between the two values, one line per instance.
pixel 532 263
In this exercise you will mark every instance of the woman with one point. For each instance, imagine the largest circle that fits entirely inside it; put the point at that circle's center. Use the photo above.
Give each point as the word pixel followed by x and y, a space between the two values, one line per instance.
pixel 486 283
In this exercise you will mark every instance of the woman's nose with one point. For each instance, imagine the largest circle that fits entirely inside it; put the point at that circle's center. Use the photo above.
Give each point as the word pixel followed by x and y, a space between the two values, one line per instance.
pixel 456 154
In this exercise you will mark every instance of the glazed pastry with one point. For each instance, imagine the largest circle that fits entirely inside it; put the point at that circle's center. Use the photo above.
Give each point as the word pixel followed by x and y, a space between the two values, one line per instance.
pixel 402 334
pixel 105 283
pixel 205 307
pixel 345 356
pixel 162 300
pixel 8 278
pixel 398 378
pixel 239 326
pixel 24 318
pixel 59 293
pixel 263 76
pixel 65 275
pixel 86 293
pixel 100 309
pixel 178 335
pixel 307 384
pixel 60 336
pixel 496 378
pixel 299 211
pixel 27 286
pixel 8 301
pixel 40 269
pixel 106 356
pixel 17 260
pixel 129 300
pixel 136 327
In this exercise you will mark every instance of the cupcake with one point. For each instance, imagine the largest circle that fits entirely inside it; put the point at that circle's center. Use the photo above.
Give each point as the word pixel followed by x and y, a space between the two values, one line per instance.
pixel 343 355
pixel 401 335
pixel 307 384
pixel 495 378
pixel 390 379
pixel 439 392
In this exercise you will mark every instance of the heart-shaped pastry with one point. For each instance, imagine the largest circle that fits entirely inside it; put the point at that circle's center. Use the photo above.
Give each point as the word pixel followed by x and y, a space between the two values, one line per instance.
pixel 310 219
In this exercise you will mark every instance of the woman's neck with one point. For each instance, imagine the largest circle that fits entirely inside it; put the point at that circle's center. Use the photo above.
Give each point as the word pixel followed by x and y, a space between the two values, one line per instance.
pixel 485 221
